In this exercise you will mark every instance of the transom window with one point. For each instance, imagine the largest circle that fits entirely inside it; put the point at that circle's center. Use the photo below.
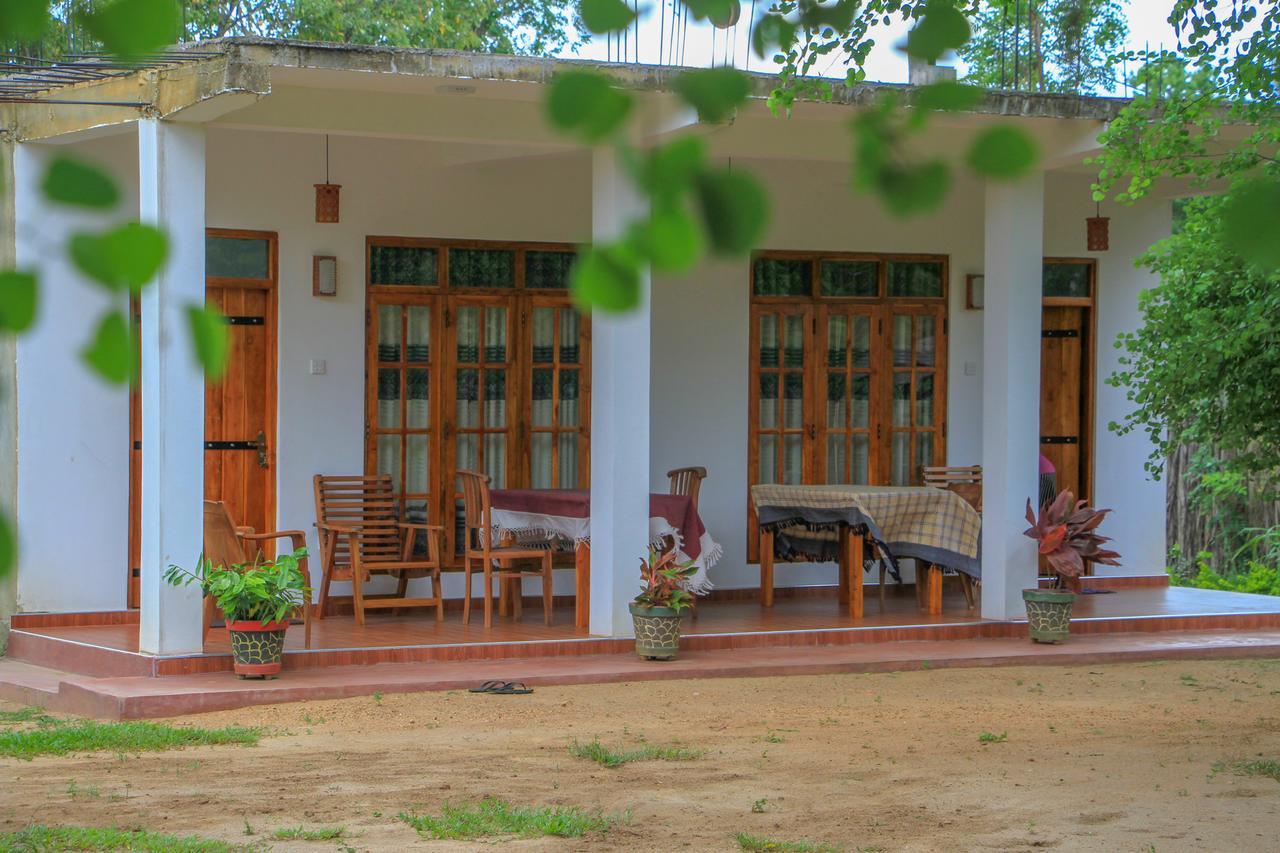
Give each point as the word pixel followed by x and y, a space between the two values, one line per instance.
pixel 477 360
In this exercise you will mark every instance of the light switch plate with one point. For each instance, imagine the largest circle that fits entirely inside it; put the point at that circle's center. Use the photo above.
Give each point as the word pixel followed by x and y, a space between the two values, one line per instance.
pixel 317 367
pixel 970 368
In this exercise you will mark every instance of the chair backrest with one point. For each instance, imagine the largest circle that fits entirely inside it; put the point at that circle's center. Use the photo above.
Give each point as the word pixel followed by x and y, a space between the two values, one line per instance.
pixel 687 481
pixel 964 481
pixel 475 507
pixel 366 503
pixel 222 546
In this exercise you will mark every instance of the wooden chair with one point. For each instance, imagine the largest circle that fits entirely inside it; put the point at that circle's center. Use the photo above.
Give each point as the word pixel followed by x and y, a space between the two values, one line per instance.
pixel 225 544
pixel 688 481
pixel 361 535
pixel 967 483
pixel 479 545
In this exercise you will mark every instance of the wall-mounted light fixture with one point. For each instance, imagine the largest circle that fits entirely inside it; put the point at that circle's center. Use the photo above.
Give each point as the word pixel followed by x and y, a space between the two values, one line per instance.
pixel 324 275
pixel 974 291
pixel 327 193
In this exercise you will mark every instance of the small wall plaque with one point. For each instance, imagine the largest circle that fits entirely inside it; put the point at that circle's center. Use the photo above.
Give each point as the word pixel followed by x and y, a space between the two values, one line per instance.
pixel 974 291
pixel 324 275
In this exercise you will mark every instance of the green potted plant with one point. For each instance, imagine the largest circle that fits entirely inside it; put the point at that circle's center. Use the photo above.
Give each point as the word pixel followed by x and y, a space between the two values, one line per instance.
pixel 656 610
pixel 1066 531
pixel 256 599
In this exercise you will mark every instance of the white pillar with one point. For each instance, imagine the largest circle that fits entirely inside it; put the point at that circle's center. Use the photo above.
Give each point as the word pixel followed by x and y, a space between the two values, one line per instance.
pixel 171 178
pixel 619 421
pixel 1010 389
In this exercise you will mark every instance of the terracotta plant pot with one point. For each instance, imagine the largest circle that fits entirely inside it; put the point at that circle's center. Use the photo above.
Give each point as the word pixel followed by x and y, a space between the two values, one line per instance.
pixel 1049 614
pixel 257 648
pixel 657 632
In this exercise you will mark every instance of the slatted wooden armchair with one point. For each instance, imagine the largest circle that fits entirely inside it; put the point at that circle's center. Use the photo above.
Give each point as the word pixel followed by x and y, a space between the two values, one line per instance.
pixel 494 558
pixel 361 535
pixel 225 544
pixel 687 481
pixel 965 481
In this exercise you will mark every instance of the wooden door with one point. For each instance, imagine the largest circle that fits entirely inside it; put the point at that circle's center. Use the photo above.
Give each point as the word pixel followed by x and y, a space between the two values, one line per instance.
pixel 917 366
pixel 848 394
pixel 1065 374
pixel 555 414
pixel 240 409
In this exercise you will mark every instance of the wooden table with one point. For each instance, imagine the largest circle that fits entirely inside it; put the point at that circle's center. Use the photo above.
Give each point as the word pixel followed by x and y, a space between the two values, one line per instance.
pixel 850 562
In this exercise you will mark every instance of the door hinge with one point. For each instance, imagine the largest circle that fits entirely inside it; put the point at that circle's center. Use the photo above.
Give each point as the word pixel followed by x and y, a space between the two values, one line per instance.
pixel 946 325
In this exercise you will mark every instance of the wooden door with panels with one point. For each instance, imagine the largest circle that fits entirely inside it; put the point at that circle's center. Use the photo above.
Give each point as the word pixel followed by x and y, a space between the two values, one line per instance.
pixel 1066 371
pixel 240 408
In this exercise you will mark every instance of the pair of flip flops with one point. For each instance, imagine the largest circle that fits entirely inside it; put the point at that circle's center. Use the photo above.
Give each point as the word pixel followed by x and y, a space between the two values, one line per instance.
pixel 503 688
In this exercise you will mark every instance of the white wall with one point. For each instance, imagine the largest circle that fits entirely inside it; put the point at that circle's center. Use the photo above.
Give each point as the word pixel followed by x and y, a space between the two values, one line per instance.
pixel 73 429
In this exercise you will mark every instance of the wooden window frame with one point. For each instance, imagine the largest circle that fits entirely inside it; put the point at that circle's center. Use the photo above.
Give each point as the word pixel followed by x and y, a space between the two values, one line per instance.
pixel 1090 302
pixel 817 310
pixel 445 300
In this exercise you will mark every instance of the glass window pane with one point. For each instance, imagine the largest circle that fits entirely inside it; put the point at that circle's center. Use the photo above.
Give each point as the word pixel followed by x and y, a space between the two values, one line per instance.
pixel 389 458
pixel 768 401
pixel 570 345
pixel 900 469
pixel 849 278
pixel 468 334
pixel 776 277
pixel 1066 279
pixel 389 333
pixel 837 464
pixel 924 453
pixel 468 397
pixel 415 512
pixel 543 405
pixel 568 462
pixel 417 400
pixel 837 411
pixel 861 408
pixel 861 341
pixel 467 460
pixel 902 399
pixel 901 340
pixel 570 404
pixel 495 459
pixel 793 346
pixel 860 473
pixel 769 343
pixel 837 340
pixel 768 459
pixel 793 400
pixel 482 268
pixel 411 265
pixel 389 398
pixel 926 341
pixel 418 347
pixel 792 459
pixel 547 270
pixel 924 399
pixel 544 333
pixel 495 398
pixel 237 257
pixel 540 461
pixel 915 278
pixel 495 334
pixel 417 464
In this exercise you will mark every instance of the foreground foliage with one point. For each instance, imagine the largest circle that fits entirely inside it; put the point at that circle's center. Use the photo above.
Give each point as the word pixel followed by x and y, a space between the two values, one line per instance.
pixel 493 817
pixel 1254 578
pixel 53 736
pixel 39 839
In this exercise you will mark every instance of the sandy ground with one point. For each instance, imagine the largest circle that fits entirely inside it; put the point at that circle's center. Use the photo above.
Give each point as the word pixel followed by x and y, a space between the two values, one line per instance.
pixel 1133 757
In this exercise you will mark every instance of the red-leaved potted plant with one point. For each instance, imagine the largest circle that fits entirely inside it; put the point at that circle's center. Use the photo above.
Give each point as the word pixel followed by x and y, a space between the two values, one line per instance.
pixel 663 598
pixel 1066 531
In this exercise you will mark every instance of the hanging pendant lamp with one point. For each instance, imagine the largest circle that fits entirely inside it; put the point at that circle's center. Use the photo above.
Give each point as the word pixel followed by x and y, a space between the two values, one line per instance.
pixel 1098 237
pixel 327 193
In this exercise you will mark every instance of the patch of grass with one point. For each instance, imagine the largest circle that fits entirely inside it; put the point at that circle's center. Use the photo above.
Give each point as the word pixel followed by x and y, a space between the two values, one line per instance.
pixel 493 817
pixel 758 806
pixel 52 838
pixel 1269 768
pixel 774 737
pixel 26 715
pixel 610 757
pixel 991 737
pixel 323 833
pixel 60 737
pixel 754 843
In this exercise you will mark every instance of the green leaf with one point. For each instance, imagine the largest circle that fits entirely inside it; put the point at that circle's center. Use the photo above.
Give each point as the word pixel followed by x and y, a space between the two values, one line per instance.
pixel 1249 223
pixel 124 258
pixel 23 20
pixel 716 10
pixel 8 546
pixel 73 182
pixel 209 333
pixel 18 291
pixel 907 191
pixel 735 210
pixel 673 240
pixel 1003 152
pixel 132 28
pixel 942 28
pixel 586 104
pixel 670 170
pixel 608 278
pixel 772 34
pixel 714 92
pixel 606 16
pixel 111 353
pixel 948 95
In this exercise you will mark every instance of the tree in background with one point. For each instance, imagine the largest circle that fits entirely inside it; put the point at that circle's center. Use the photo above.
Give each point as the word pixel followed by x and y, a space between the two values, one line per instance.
pixel 1045 45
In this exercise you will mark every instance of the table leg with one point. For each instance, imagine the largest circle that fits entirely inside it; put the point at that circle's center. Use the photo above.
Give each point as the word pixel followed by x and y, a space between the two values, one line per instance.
pixel 582 586
pixel 842 566
pixel 933 590
pixel 853 581
pixel 766 568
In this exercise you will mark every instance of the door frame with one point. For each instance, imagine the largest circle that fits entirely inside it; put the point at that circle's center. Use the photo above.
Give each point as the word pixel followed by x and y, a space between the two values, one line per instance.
pixel 1090 364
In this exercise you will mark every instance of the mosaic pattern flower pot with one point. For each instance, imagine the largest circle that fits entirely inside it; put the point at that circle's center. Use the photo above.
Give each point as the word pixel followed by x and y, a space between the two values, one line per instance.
pixel 257 648
pixel 1049 613
pixel 657 632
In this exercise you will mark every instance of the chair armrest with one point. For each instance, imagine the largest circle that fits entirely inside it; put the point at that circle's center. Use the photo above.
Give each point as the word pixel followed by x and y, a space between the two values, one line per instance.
pixel 279 534
pixel 411 526
pixel 326 527
pixel 433 542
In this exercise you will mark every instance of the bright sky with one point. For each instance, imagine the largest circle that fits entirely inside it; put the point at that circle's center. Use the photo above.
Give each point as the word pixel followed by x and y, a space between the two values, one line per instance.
pixel 705 44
